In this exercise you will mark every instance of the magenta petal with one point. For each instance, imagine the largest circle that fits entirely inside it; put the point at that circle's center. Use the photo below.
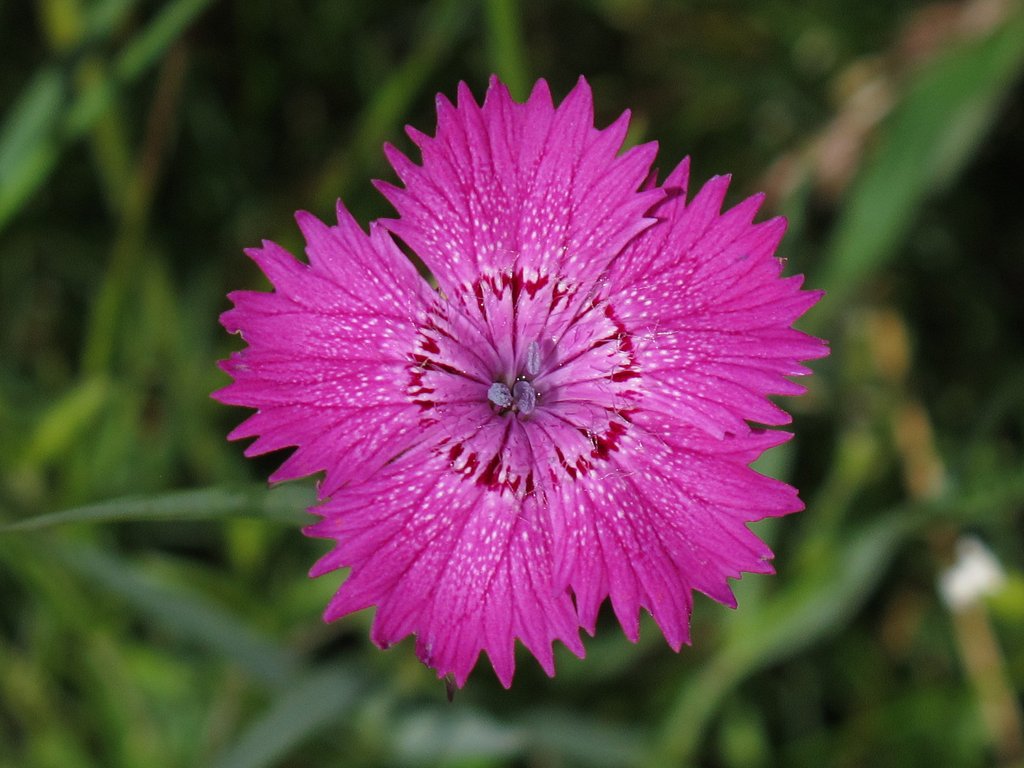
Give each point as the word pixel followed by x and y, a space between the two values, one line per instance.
pixel 324 350
pixel 509 183
pixel 464 569
pixel 702 292
pixel 671 518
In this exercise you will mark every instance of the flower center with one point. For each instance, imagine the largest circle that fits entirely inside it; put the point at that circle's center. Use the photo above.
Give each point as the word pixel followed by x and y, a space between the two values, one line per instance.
pixel 524 379
pixel 522 397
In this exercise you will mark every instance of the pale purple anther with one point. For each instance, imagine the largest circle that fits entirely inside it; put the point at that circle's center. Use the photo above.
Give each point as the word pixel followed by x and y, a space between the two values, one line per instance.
pixel 500 395
pixel 533 359
pixel 524 396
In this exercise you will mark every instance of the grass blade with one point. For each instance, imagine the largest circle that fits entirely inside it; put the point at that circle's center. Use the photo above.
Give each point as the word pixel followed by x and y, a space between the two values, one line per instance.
pixel 44 123
pixel 443 25
pixel 930 136
pixel 282 505
pixel 820 603
pixel 182 614
pixel 504 29
pixel 322 697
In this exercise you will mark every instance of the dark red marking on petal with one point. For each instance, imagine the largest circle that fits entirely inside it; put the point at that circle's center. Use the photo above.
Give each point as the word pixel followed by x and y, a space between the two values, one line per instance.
pixel 624 375
pixel 600 347
pixel 478 292
pixel 532 286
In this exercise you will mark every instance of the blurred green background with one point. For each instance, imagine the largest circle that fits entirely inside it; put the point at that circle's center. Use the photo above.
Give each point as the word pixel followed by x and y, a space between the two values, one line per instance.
pixel 154 607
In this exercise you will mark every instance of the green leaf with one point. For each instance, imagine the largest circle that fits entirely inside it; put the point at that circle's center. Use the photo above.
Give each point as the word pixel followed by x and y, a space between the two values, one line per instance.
pixel 929 137
pixel 183 614
pixel 819 603
pixel 583 740
pixel 429 737
pixel 505 38
pixel 64 420
pixel 439 735
pixel 443 22
pixel 44 122
pixel 777 629
pixel 282 505
pixel 28 140
pixel 324 696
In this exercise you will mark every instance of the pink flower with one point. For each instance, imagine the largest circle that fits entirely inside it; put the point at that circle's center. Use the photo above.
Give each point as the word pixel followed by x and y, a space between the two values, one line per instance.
pixel 565 419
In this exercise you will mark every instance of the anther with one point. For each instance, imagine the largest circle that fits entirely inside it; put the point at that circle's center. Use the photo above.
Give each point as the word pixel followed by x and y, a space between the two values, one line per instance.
pixel 500 395
pixel 524 396
pixel 533 359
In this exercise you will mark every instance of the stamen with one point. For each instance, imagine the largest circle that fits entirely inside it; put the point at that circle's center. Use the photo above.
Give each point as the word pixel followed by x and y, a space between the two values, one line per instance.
pixel 533 359
pixel 500 395
pixel 525 396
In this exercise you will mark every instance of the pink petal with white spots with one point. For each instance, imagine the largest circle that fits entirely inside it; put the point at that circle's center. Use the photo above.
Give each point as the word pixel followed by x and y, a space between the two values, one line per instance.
pixel 325 350
pixel 462 567
pixel 505 185
pixel 710 314
pixel 665 516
